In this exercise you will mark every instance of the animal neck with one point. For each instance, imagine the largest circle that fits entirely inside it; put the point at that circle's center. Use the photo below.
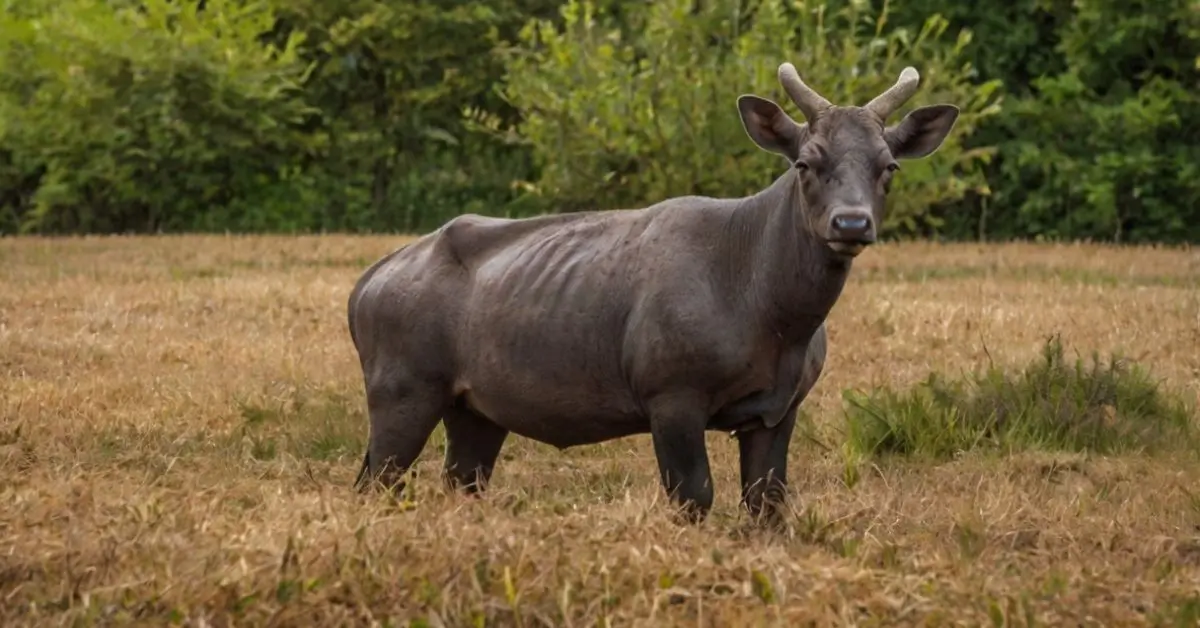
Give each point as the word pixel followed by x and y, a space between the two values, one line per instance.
pixel 788 274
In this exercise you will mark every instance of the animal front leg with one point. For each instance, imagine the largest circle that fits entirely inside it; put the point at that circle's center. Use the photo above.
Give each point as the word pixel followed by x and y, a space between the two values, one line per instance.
pixel 764 451
pixel 677 429
pixel 763 455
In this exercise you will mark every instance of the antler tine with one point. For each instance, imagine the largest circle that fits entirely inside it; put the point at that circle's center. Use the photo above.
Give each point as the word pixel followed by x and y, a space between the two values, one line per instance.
pixel 888 102
pixel 811 103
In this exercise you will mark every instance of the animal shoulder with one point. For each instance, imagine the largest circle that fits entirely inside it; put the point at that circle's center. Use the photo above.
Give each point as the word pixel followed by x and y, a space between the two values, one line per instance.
pixel 469 238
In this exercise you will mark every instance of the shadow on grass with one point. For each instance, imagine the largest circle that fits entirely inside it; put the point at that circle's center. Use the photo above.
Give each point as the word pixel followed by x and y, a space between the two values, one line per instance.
pixel 1109 406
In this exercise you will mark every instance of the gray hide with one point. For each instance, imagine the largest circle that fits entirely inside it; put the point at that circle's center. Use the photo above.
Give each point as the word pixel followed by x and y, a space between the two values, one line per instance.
pixel 692 314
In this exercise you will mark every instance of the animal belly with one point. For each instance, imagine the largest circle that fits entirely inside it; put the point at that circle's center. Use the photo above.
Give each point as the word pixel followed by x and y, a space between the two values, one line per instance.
pixel 561 417
pixel 546 373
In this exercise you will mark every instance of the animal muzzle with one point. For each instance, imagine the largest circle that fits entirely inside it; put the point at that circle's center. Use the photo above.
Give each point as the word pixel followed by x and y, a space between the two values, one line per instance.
pixel 850 231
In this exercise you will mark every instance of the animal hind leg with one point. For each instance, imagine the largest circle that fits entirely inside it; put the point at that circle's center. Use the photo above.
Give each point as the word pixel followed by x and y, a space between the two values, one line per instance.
pixel 401 417
pixel 472 445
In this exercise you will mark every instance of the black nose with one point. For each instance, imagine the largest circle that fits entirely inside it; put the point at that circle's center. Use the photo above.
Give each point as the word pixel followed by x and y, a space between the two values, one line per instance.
pixel 852 228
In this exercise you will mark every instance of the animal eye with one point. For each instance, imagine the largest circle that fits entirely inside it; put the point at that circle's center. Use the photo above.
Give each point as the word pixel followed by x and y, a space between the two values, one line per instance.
pixel 802 165
pixel 892 167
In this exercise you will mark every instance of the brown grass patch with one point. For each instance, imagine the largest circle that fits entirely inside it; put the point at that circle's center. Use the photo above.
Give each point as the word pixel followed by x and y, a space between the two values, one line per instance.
pixel 181 419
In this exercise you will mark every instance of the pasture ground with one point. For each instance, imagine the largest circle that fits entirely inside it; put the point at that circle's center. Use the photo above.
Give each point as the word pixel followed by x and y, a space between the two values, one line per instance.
pixel 181 419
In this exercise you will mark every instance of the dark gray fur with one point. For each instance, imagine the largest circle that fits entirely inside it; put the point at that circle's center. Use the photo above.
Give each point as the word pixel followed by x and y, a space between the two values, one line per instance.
pixel 692 314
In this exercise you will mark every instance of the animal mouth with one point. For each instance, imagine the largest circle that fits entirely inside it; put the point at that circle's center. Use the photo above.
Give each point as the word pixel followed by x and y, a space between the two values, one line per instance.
pixel 847 248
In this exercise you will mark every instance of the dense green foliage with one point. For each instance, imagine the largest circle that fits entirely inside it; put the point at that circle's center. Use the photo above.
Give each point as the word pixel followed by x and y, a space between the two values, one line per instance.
pixel 1097 137
pixel 1105 407
pixel 147 115
pixel 144 119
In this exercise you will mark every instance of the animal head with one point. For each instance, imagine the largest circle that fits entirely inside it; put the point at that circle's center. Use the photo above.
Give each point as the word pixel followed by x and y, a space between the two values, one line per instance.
pixel 845 156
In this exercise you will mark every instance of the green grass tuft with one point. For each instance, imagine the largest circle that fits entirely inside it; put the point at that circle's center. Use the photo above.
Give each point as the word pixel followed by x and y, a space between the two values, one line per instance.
pixel 307 424
pixel 1108 406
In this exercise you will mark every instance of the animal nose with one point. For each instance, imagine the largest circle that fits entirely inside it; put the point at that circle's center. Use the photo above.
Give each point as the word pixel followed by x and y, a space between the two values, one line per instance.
pixel 854 227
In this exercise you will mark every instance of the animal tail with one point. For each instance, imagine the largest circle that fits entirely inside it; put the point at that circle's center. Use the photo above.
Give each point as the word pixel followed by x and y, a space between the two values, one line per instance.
pixel 350 303
pixel 359 484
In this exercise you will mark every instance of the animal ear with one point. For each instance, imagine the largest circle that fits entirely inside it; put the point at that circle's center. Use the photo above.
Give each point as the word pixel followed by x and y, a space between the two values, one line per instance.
pixel 921 132
pixel 769 127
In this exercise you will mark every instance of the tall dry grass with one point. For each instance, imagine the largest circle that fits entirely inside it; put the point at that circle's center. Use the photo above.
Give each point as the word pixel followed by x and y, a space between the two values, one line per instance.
pixel 181 419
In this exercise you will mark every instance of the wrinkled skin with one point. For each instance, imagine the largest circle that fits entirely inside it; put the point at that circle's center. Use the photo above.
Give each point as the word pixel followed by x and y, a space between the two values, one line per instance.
pixel 692 314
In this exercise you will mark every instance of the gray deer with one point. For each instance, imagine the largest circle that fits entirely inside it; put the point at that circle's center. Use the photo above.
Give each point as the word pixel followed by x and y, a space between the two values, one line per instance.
pixel 692 314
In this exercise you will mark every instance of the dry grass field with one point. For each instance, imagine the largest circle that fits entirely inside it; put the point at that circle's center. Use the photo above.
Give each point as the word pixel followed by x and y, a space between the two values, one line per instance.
pixel 181 420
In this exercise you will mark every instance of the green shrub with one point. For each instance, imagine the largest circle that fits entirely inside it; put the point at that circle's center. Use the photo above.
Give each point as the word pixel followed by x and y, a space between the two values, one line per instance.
pixel 1095 142
pixel 623 114
pixel 1098 151
pixel 252 115
pixel 1082 165
pixel 122 116
pixel 1106 407
pixel 391 81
